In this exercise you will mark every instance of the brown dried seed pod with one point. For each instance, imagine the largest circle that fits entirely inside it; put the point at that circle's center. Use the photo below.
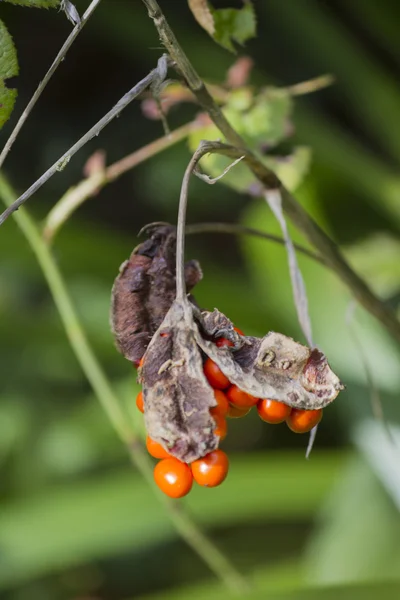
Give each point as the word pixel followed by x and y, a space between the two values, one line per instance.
pixel 177 396
pixel 274 367
pixel 145 289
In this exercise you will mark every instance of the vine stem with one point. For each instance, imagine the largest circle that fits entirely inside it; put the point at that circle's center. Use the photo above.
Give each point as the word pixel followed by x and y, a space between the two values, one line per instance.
pixel 154 78
pixel 57 61
pixel 325 246
pixel 184 525
pixel 236 229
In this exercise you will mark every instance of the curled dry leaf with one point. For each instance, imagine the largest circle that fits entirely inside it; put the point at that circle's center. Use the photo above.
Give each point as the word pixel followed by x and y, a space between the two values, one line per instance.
pixel 274 366
pixel 177 396
pixel 145 289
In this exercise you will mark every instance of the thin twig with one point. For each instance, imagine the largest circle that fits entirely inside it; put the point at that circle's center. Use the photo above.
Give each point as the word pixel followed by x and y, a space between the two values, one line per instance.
pixel 310 86
pixel 235 229
pixel 156 75
pixel 57 61
pixel 185 526
pixel 75 197
pixel 326 247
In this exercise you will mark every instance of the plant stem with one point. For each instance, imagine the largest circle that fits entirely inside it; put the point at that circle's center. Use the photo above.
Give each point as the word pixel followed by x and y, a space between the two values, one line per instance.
pixel 155 76
pixel 94 373
pixel 326 247
pixel 235 229
pixel 57 61
pixel 180 230
pixel 65 207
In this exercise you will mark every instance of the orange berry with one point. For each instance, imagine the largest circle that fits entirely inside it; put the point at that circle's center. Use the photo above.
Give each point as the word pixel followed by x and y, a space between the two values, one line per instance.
pixel 220 342
pixel 302 421
pixel 155 449
pixel 221 426
pixel 222 407
pixel 173 477
pixel 239 398
pixel 214 375
pixel 139 402
pixel 236 413
pixel 273 412
pixel 212 469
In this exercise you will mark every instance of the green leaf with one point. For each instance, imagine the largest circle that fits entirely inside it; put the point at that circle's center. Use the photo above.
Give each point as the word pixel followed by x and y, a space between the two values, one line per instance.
pixel 36 3
pixel 291 169
pixel 234 24
pixel 226 25
pixel 8 68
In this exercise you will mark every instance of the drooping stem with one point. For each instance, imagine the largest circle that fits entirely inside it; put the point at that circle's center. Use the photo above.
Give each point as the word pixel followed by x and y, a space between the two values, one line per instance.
pixel 326 247
pixel 57 61
pixel 180 230
pixel 205 147
pixel 157 75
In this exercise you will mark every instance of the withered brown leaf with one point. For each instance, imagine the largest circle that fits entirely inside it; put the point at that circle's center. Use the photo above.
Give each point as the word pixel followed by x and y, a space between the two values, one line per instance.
pixel 274 367
pixel 177 396
pixel 145 289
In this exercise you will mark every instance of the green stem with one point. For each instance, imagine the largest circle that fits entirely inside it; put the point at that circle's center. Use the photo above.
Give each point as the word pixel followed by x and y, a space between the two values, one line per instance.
pixel 93 371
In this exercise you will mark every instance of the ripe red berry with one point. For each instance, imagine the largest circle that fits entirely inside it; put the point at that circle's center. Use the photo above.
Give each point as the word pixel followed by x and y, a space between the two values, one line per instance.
pixel 221 428
pixel 239 398
pixel 222 407
pixel 173 477
pixel 155 449
pixel 302 421
pixel 139 402
pixel 272 411
pixel 212 469
pixel 237 413
pixel 220 342
pixel 214 375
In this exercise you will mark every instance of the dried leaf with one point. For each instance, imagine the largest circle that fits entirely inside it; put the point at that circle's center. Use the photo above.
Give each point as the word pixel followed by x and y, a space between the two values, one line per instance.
pixel 274 366
pixel 177 396
pixel 145 290
pixel 202 14
pixel 70 12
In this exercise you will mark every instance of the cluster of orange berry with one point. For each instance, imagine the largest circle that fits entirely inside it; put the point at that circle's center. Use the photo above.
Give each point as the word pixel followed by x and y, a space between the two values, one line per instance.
pixel 175 478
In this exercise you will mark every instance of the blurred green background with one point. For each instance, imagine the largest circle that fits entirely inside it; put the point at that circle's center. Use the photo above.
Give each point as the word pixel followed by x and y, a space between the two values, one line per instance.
pixel 76 521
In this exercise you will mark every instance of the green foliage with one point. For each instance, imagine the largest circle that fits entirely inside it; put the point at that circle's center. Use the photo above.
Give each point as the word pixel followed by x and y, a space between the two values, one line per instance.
pixel 263 120
pixel 226 25
pixel 36 3
pixel 8 68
